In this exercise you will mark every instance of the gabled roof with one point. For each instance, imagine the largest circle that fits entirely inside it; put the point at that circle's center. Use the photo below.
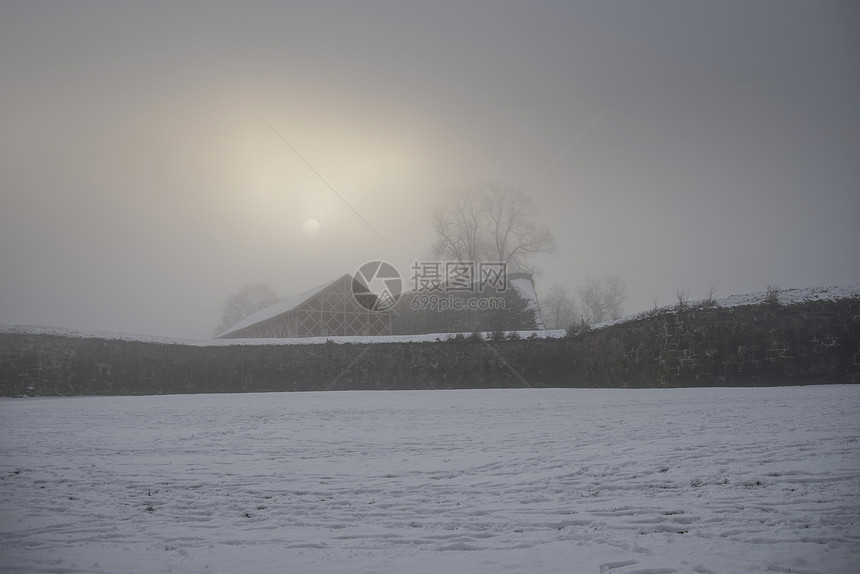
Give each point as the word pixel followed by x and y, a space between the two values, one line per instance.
pixel 281 307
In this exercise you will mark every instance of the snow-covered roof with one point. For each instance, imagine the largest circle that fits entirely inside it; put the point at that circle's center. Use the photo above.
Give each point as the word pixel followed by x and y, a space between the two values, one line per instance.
pixel 280 307
pixel 526 289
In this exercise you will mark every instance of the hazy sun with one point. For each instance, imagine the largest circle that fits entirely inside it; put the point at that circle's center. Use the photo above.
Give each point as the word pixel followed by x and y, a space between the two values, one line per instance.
pixel 311 227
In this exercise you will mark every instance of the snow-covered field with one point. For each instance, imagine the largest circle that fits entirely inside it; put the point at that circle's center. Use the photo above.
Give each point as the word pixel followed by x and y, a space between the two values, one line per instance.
pixel 551 480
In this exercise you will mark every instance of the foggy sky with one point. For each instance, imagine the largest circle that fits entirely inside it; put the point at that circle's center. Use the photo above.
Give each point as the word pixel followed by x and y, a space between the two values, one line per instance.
pixel 679 145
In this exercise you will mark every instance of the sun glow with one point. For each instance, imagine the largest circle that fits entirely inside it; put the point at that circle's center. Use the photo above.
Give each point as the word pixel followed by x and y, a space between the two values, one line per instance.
pixel 340 171
pixel 311 227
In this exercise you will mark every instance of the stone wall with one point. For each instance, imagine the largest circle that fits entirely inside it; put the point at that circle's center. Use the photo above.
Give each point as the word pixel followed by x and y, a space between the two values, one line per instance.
pixel 813 342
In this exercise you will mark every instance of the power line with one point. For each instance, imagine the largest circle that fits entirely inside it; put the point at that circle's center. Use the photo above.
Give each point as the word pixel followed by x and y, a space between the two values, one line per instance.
pixel 321 178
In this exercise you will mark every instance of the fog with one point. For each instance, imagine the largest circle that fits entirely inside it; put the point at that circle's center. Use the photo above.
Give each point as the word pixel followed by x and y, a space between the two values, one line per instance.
pixel 678 145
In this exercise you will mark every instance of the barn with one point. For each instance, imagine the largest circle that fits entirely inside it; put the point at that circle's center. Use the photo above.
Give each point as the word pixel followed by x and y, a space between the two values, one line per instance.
pixel 328 310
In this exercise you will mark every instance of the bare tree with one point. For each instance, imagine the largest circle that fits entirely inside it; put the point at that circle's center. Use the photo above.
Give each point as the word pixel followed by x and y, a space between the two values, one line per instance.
pixel 603 298
pixel 458 226
pixel 491 222
pixel 244 302
pixel 510 226
pixel 558 308
pixel 683 298
pixel 710 299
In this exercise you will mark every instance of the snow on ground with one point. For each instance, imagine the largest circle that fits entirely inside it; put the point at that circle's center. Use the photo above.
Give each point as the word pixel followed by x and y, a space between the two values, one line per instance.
pixel 786 297
pixel 528 480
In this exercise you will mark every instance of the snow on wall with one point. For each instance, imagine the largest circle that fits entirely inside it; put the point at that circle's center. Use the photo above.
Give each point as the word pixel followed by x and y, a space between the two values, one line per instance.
pixel 786 297
pixel 751 345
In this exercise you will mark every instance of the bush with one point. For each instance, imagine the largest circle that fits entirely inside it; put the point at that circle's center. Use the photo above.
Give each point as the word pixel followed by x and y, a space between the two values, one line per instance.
pixel 771 296
pixel 573 329
pixel 683 297
pixel 710 299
